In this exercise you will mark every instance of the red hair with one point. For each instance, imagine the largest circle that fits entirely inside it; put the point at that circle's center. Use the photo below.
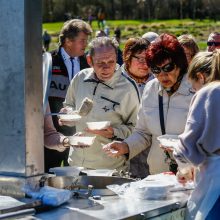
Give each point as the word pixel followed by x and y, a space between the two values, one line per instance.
pixel 167 47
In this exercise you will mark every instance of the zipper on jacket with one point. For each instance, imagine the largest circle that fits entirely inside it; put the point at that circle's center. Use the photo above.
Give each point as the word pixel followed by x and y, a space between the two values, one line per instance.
pixel 94 91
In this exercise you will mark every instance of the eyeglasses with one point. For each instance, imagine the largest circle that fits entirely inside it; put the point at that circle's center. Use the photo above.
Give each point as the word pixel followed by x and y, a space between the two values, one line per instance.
pixel 140 59
pixel 212 43
pixel 166 68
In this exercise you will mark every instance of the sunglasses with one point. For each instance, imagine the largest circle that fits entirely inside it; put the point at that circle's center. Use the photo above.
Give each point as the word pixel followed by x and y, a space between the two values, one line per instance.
pixel 212 43
pixel 166 68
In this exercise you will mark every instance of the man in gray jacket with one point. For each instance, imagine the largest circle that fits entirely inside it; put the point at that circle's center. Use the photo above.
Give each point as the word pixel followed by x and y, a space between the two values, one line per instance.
pixel 115 99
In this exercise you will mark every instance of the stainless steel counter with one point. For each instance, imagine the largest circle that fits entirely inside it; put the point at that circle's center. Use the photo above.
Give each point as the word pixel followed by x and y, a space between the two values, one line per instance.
pixel 113 207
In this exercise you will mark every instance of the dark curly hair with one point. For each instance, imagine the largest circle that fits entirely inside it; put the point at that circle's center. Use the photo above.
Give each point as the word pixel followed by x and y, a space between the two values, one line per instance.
pixel 167 47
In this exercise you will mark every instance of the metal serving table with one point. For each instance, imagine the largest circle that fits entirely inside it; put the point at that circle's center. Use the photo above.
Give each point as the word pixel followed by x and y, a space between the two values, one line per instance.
pixel 113 207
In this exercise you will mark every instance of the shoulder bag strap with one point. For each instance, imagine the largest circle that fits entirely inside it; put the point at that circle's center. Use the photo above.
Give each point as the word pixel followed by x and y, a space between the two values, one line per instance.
pixel 162 125
pixel 173 164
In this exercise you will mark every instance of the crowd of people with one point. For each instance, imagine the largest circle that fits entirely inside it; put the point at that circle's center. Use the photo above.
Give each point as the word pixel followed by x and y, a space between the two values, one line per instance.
pixel 153 91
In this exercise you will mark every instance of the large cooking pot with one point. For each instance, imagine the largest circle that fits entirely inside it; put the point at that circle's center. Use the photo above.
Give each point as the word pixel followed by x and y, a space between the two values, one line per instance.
pixel 99 183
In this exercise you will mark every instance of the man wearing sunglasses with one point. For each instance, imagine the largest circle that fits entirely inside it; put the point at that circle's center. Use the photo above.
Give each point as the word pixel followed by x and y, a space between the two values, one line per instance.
pixel 213 41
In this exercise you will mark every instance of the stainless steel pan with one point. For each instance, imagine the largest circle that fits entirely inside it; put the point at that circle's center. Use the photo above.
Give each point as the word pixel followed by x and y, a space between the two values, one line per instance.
pixel 99 183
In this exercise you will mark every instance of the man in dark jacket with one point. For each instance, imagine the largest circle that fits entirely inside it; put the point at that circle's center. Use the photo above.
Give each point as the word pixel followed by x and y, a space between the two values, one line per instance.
pixel 67 61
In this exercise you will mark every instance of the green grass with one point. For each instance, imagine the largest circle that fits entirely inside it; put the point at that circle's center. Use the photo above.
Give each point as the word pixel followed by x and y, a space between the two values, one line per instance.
pixel 53 28
pixel 134 28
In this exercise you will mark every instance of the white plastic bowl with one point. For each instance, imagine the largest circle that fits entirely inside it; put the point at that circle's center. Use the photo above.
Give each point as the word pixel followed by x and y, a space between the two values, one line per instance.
pixel 152 191
pixel 99 172
pixel 70 117
pixel 81 140
pixel 66 171
pixel 168 140
pixel 98 125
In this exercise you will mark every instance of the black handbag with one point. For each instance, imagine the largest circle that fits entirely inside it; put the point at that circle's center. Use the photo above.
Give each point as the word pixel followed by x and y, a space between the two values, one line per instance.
pixel 172 163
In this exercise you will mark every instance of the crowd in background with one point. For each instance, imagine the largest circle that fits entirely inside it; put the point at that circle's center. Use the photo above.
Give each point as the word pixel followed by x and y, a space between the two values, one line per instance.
pixel 147 90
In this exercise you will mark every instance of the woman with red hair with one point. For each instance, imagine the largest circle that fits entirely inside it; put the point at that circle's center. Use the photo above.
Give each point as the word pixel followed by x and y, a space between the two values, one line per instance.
pixel 164 105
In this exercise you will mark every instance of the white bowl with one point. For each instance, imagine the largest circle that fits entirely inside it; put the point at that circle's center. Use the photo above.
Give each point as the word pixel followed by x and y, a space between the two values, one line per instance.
pixel 152 191
pixel 168 140
pixel 66 171
pixel 99 172
pixel 70 117
pixel 81 140
pixel 98 125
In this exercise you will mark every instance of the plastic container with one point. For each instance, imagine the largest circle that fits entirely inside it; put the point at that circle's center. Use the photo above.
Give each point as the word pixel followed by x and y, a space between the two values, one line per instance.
pixel 70 117
pixel 168 140
pixel 152 191
pixel 81 140
pixel 98 125
pixel 66 171
pixel 99 172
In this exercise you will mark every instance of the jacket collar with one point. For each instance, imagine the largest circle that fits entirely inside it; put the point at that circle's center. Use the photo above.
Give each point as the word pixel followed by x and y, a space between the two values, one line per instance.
pixel 91 77
pixel 185 87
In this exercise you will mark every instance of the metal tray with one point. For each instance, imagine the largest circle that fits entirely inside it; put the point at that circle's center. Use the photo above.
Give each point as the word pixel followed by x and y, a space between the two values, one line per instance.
pixel 99 183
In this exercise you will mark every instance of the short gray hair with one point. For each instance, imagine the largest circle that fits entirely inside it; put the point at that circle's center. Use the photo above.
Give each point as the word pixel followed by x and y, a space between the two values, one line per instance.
pixel 72 28
pixel 188 41
pixel 102 42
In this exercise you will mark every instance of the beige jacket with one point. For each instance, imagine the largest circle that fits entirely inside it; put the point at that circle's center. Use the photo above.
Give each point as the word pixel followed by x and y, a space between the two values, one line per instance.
pixel 116 100
pixel 148 122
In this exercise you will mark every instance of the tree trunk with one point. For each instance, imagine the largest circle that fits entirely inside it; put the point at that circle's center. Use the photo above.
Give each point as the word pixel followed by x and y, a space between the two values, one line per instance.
pixel 112 9
pixel 181 9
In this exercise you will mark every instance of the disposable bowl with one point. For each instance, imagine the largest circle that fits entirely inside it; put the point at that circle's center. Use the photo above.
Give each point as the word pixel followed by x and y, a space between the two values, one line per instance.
pixel 98 125
pixel 99 172
pixel 70 117
pixel 81 140
pixel 168 140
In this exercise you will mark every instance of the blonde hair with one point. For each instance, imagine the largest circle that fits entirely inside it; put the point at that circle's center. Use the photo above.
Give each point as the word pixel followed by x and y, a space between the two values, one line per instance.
pixel 207 63
pixel 188 41
pixel 215 68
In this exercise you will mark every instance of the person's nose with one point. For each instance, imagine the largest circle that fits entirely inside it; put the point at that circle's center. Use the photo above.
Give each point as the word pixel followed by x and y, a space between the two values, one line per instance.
pixel 163 73
pixel 211 48
pixel 144 64
pixel 105 66
pixel 85 44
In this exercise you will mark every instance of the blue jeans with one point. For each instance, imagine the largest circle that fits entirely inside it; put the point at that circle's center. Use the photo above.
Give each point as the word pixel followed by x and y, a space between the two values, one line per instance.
pixel 214 214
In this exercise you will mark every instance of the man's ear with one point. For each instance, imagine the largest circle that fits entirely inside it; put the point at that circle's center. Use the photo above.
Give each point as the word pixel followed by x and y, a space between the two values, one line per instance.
pixel 67 42
pixel 89 60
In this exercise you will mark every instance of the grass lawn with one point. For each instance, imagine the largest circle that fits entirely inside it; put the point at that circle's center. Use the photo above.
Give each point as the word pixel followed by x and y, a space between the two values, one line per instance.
pixel 134 28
